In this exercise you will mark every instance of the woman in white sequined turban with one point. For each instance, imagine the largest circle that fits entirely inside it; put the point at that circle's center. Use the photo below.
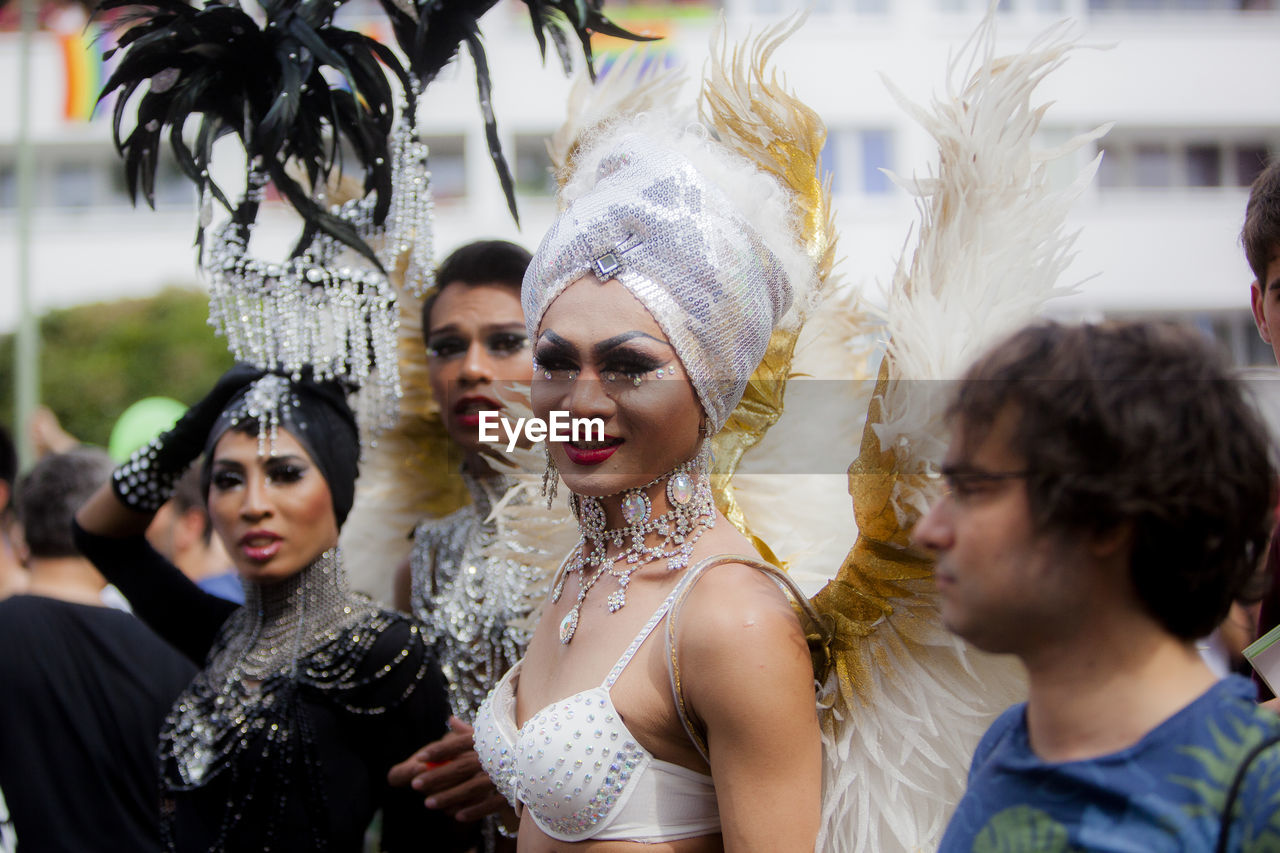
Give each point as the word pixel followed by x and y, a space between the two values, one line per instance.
pixel 650 302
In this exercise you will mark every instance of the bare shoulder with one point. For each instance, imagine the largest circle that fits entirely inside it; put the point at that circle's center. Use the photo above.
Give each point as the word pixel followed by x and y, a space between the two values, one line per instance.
pixel 737 616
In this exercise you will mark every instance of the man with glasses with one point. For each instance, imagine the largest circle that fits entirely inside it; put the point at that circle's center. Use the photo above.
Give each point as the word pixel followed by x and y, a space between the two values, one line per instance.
pixel 1109 495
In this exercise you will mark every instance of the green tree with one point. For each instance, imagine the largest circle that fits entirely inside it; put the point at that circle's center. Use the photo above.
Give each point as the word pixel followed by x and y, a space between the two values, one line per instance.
pixel 96 360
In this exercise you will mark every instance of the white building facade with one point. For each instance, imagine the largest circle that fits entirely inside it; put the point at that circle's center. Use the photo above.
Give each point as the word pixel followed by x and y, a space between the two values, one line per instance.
pixel 1190 84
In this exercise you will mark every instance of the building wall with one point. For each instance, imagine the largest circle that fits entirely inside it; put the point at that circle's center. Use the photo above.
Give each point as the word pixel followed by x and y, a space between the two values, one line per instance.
pixel 1188 83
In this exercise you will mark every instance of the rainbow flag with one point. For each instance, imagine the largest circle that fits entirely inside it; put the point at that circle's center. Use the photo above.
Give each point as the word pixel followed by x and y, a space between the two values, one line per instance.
pixel 83 73
pixel 661 20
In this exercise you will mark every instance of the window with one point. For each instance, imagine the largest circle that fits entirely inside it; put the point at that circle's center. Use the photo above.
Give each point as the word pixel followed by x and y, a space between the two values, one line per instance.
pixel 446 158
pixel 854 158
pixel 533 166
pixel 1250 161
pixel 73 184
pixel 1152 165
pixel 8 186
pixel 1169 159
pixel 1204 166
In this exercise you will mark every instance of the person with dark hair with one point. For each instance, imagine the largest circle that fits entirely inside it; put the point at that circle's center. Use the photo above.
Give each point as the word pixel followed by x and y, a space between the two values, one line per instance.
pixel 86 686
pixel 1109 495
pixel 309 692
pixel 183 534
pixel 475 609
pixel 13 576
pixel 1261 240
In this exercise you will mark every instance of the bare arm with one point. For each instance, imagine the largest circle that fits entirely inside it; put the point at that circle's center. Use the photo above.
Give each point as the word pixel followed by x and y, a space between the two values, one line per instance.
pixel 105 515
pixel 748 679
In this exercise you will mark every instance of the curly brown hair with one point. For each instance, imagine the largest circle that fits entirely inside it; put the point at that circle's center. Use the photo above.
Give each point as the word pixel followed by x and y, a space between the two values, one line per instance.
pixel 1261 232
pixel 1138 423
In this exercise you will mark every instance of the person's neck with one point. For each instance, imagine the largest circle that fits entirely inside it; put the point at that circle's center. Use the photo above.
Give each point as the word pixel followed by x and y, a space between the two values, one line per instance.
pixel 13 575
pixel 1121 676
pixel 658 504
pixel 477 466
pixel 320 583
pixel 72 579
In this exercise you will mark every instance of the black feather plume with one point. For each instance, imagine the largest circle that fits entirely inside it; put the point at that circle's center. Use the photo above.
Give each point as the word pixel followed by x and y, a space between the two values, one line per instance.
pixel 216 66
pixel 264 84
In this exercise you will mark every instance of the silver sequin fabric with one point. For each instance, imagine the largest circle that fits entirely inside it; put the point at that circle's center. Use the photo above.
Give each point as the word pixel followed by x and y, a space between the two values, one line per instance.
pixel 476 612
pixel 673 239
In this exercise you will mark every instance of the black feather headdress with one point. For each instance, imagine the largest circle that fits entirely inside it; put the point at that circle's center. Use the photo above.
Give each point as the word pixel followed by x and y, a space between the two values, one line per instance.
pixel 309 102
pixel 272 85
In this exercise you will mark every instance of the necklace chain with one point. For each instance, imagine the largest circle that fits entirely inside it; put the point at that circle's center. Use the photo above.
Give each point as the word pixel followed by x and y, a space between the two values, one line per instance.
pixel 692 513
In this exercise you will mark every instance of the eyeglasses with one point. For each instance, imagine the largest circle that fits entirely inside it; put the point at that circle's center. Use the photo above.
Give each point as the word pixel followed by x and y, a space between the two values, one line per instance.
pixel 962 482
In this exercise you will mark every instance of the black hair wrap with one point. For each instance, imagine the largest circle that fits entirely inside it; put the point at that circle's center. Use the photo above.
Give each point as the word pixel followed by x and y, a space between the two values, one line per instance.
pixel 318 416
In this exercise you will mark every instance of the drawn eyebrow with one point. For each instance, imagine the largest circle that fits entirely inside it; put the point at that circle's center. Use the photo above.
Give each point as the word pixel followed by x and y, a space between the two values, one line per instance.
pixel 558 342
pixel 601 349
pixel 489 327
pixel 293 458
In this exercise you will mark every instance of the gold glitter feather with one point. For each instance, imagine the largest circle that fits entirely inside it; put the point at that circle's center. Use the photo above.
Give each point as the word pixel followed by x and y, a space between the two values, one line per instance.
pixel 753 114
pixel 911 699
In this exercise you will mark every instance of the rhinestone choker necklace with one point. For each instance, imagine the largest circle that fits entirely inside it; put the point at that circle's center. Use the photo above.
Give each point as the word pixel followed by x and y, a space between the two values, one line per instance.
pixel 692 513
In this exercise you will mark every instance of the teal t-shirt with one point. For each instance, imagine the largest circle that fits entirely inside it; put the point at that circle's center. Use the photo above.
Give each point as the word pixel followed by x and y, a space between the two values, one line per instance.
pixel 1164 793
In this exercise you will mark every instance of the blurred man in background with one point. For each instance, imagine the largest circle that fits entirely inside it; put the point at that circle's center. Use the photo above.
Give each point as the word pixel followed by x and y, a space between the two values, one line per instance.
pixel 13 576
pixel 181 532
pixel 86 686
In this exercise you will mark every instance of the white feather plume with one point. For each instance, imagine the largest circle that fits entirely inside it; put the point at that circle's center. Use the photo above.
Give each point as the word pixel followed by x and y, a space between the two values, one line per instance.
pixel 631 86
pixel 992 243
pixel 915 699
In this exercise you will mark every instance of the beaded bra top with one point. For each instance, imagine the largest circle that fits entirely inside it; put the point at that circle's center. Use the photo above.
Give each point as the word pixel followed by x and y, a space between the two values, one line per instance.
pixel 581 773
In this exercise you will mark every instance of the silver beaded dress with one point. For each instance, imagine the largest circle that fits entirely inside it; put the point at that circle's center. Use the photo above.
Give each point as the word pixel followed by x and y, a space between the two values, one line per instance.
pixel 477 609
pixel 308 696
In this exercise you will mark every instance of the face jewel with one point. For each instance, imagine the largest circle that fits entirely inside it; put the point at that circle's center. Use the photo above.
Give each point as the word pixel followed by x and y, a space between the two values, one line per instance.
pixel 606 265
pixel 680 489
pixel 635 508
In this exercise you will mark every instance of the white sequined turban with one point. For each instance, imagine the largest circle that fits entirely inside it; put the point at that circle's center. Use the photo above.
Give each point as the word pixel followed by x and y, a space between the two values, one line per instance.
pixel 657 224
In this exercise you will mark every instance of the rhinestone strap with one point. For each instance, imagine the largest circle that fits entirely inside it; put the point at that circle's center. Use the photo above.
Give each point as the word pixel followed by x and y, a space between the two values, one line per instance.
pixel 640 638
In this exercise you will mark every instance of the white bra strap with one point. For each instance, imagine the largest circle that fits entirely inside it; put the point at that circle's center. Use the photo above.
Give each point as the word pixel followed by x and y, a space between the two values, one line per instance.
pixel 640 638
pixel 681 592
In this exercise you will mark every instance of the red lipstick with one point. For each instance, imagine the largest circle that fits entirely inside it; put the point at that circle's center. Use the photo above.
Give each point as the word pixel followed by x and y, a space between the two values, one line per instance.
pixel 466 412
pixel 591 452
pixel 260 545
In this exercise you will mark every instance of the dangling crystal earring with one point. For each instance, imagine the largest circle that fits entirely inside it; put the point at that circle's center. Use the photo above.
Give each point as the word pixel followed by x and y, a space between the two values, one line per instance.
pixel 550 477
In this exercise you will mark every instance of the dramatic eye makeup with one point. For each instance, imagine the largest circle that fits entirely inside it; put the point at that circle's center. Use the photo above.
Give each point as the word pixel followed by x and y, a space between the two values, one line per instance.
pixel 506 343
pixel 555 353
pixel 445 344
pixel 628 353
pixel 286 469
pixel 226 475
pixel 501 341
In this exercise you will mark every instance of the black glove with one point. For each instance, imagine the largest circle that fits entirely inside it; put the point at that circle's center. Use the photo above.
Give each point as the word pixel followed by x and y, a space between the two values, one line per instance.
pixel 147 479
